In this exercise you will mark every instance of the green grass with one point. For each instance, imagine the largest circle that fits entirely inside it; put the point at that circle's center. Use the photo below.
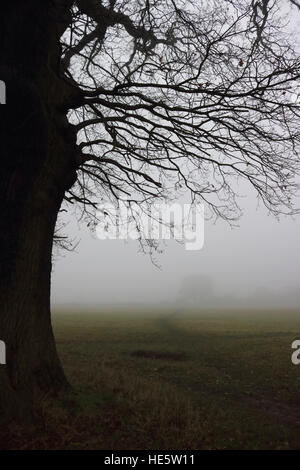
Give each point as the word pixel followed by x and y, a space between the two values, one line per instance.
pixel 161 381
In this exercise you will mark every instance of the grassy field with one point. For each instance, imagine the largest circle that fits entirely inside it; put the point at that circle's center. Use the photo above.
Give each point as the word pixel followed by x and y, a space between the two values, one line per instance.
pixel 172 381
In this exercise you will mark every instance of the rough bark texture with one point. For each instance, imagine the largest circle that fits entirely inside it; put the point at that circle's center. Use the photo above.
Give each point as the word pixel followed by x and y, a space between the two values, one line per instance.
pixel 37 151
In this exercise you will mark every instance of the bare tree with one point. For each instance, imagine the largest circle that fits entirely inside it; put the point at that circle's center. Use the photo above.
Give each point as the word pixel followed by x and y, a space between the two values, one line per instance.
pixel 135 99
pixel 197 292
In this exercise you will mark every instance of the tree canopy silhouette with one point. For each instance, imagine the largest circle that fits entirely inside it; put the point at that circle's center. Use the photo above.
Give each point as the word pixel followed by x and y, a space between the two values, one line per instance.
pixel 184 94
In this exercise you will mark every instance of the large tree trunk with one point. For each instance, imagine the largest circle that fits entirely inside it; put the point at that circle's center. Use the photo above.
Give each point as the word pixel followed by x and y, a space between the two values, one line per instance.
pixel 37 157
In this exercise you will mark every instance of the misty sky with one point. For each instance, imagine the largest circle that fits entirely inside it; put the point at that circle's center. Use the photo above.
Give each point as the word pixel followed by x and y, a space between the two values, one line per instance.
pixel 257 263
pixel 261 254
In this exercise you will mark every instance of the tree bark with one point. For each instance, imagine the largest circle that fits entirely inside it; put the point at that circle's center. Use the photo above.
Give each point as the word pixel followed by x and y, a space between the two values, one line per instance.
pixel 37 151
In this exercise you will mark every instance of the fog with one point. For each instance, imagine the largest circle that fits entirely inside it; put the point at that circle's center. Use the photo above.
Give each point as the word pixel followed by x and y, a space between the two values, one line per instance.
pixel 254 265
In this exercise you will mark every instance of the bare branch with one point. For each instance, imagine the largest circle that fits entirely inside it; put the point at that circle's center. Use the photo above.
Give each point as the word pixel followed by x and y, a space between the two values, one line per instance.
pixel 179 95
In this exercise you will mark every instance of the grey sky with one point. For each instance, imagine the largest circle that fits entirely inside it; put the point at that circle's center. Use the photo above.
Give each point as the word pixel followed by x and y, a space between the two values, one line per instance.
pixel 260 255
